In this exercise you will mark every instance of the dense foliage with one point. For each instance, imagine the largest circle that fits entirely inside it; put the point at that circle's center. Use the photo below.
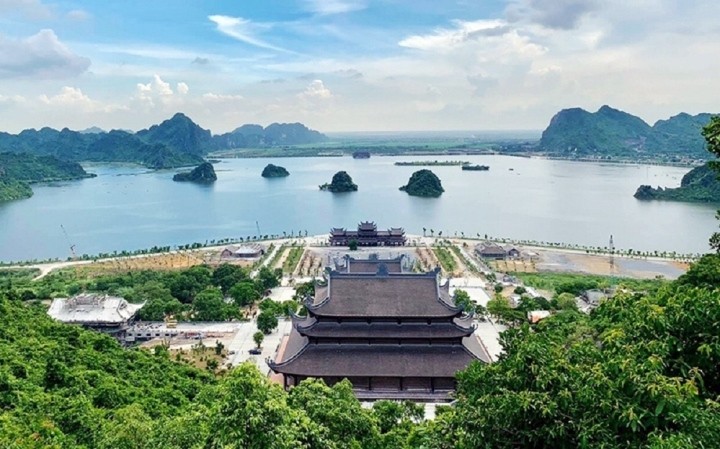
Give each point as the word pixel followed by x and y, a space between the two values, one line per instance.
pixel 575 284
pixel 274 171
pixel 341 182
pixel 199 293
pixel 14 190
pixel 202 174
pixel 17 171
pixel 699 185
pixel 639 372
pixel 423 183
pixel 613 133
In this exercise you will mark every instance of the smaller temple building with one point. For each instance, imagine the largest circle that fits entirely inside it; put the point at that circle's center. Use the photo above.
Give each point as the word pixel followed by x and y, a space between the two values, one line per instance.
pixel 109 314
pixel 367 234
pixel 392 334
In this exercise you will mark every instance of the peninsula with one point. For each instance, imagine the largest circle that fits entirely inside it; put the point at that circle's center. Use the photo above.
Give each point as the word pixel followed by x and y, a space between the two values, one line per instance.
pixel 18 171
pixel 699 185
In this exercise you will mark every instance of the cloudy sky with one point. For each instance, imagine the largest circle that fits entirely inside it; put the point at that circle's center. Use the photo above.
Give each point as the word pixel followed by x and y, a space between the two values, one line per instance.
pixel 353 65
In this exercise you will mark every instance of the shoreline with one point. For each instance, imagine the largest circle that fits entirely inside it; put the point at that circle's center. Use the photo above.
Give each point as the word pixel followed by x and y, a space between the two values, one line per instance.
pixel 318 241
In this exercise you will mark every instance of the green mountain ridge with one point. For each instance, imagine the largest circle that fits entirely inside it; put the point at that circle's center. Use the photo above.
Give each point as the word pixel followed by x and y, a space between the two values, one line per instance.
pixel 610 132
pixel 18 171
pixel 176 142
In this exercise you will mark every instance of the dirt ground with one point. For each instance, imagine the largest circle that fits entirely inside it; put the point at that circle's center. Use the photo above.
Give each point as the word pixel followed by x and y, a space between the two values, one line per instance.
pixel 168 261
pixel 601 265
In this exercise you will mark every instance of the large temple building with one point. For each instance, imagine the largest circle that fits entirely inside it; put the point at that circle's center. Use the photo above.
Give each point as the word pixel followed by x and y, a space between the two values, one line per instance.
pixel 367 234
pixel 393 334
pixel 109 314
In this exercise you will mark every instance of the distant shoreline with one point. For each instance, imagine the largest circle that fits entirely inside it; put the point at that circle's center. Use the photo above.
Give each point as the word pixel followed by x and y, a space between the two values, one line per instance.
pixel 305 152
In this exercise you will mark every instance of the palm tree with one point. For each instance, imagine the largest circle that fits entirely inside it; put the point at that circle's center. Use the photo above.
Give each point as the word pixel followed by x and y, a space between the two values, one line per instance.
pixel 424 231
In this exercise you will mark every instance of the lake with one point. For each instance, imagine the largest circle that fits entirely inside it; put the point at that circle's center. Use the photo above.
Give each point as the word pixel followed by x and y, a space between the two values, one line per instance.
pixel 127 207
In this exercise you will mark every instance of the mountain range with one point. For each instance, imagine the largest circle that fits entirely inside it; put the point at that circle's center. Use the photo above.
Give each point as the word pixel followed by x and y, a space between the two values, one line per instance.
pixel 610 133
pixel 175 142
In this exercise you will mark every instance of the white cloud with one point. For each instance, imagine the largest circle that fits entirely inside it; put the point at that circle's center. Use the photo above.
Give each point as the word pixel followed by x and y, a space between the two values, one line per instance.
pixel 33 9
pixel 243 30
pixel 556 14
pixel 444 39
pixel 156 92
pixel 79 15
pixel 328 7
pixel 182 88
pixel 41 55
pixel 68 96
pixel 316 90
pixel 210 97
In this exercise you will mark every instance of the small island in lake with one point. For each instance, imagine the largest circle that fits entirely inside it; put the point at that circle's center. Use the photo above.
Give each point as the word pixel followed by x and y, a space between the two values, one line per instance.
pixel 361 155
pixel 424 183
pixel 274 171
pixel 341 182
pixel 203 174
pixel 431 163
pixel 699 185
pixel 476 167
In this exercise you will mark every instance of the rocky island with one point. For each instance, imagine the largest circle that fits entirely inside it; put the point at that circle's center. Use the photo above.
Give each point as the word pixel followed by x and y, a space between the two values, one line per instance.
pixel 202 174
pixel 341 182
pixel 699 185
pixel 424 183
pixel 274 171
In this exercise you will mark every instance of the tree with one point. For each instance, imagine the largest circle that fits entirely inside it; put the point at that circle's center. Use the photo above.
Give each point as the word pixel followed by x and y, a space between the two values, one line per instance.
pixel 353 245
pixel 463 301
pixel 209 305
pixel 244 293
pixel 268 278
pixel 226 276
pixel 566 301
pixel 266 322
pixel 258 338
pixel 711 133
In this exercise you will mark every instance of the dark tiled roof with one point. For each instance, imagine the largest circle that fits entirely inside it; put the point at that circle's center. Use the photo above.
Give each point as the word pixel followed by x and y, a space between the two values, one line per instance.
pixel 376 360
pixel 395 295
pixel 384 330
pixel 371 266
pixel 367 226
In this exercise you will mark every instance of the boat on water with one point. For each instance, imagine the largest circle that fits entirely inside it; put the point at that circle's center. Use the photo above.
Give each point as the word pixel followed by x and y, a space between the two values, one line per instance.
pixel 476 167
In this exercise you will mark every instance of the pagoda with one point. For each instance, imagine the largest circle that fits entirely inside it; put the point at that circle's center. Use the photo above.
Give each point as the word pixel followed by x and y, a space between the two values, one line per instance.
pixel 392 334
pixel 367 234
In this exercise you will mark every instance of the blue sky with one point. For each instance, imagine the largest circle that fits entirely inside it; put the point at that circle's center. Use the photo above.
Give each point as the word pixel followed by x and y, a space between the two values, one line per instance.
pixel 352 65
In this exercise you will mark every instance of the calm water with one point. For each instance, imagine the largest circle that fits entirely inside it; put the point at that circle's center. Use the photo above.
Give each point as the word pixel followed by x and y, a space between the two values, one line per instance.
pixel 559 201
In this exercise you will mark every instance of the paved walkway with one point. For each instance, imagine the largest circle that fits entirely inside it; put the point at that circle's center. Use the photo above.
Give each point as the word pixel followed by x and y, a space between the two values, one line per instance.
pixel 243 342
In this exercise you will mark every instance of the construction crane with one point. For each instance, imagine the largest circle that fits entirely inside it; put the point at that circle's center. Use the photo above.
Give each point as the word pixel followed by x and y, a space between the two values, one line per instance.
pixel 70 244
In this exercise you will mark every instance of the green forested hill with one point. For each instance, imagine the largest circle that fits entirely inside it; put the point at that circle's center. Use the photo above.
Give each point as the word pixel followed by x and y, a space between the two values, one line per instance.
pixel 700 185
pixel 614 133
pixel 639 372
pixel 176 142
pixel 18 170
